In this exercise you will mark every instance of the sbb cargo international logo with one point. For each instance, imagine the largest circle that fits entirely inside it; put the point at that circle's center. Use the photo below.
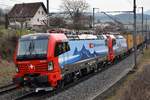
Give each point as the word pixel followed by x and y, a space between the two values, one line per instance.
pixel 92 45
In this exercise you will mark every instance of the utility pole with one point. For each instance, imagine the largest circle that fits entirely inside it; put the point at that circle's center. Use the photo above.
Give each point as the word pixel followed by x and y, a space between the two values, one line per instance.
pixel 142 28
pixel 148 35
pixel 48 6
pixel 6 21
pixel 94 17
pixel 146 32
pixel 134 35
pixel 48 13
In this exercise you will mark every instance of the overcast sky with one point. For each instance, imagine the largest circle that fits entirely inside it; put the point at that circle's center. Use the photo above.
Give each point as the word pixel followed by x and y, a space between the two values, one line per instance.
pixel 103 5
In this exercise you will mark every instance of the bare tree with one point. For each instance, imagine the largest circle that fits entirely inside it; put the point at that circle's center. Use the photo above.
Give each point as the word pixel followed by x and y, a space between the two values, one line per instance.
pixel 99 30
pixel 75 8
pixel 58 22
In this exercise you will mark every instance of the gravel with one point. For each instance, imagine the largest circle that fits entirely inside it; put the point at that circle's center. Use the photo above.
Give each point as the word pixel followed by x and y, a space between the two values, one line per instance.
pixel 94 86
pixel 90 88
pixel 13 94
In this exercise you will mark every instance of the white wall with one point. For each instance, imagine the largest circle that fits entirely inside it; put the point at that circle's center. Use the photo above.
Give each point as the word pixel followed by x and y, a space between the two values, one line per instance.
pixel 40 16
pixel 33 21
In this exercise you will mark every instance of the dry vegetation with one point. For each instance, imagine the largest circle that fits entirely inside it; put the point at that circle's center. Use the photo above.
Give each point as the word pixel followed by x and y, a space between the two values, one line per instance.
pixel 8 40
pixel 7 70
pixel 7 44
pixel 137 85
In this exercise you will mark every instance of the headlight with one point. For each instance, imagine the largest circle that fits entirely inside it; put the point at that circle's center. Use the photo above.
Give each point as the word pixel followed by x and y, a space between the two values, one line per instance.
pixel 50 66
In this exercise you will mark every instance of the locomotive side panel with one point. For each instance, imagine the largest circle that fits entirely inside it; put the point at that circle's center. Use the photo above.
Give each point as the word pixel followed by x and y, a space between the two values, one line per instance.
pixel 82 52
pixel 120 46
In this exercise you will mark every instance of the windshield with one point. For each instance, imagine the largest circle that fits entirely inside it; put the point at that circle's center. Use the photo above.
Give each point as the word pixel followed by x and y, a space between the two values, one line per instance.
pixel 32 49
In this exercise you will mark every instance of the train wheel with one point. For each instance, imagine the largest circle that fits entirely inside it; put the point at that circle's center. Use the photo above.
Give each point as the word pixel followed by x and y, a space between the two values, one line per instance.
pixel 69 78
pixel 84 72
pixel 96 68
pixel 116 60
pixel 99 66
pixel 61 84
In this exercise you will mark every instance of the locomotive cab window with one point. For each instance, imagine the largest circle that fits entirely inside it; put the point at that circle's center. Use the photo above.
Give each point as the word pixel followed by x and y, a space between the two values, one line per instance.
pixel 61 47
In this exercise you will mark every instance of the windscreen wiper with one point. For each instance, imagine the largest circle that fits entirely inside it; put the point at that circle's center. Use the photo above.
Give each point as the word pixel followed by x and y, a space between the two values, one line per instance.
pixel 30 48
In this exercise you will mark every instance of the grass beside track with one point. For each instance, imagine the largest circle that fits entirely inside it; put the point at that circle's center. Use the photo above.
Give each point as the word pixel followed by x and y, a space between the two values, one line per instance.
pixel 7 70
pixel 8 40
pixel 137 85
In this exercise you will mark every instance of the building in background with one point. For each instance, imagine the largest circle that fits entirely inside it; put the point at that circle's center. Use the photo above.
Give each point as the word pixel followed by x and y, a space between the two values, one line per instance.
pixel 28 15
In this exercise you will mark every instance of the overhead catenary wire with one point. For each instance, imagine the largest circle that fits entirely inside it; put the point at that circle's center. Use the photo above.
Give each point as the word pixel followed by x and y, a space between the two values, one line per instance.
pixel 4 4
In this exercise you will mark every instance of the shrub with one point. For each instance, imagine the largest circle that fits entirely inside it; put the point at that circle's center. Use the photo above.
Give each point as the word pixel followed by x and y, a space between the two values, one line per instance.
pixel 8 40
pixel 139 89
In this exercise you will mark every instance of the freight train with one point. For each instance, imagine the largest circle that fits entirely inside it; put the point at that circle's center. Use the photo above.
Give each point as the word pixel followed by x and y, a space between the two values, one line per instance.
pixel 47 61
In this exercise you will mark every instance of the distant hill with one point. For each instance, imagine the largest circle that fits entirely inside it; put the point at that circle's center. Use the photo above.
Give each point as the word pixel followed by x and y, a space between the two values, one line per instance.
pixel 129 17
pixel 125 18
pixel 147 12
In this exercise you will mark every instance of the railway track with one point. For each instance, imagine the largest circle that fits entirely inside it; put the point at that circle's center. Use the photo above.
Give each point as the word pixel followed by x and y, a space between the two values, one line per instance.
pixel 44 95
pixel 84 88
pixel 11 90
pixel 30 95
pixel 7 88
